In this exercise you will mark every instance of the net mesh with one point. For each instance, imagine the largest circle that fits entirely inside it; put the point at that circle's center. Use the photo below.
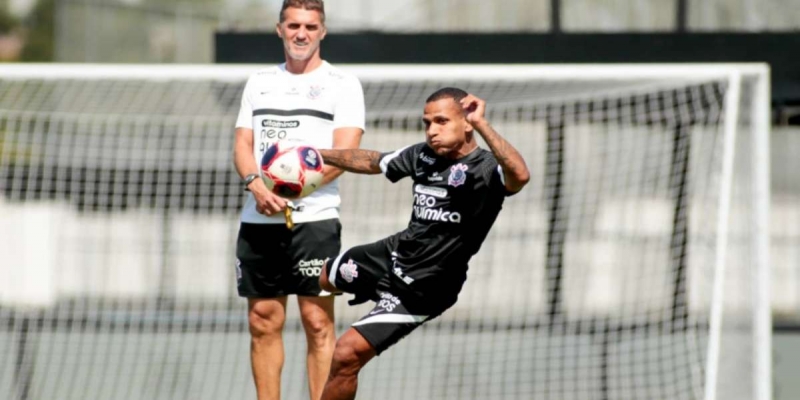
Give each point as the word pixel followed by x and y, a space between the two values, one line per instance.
pixel 119 216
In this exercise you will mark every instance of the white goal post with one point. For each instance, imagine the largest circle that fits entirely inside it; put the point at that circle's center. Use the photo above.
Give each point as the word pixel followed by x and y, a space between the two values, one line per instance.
pixel 634 265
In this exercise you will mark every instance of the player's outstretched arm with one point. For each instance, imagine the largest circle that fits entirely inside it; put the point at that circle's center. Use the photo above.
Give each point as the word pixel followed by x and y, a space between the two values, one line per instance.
pixel 343 138
pixel 359 161
pixel 515 171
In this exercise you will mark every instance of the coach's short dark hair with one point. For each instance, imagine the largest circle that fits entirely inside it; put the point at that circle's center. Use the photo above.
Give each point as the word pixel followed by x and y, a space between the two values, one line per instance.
pixel 312 5
pixel 447 93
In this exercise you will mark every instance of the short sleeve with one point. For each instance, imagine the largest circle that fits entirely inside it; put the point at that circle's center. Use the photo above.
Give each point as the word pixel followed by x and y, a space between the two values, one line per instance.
pixel 492 173
pixel 245 118
pixel 349 109
pixel 498 181
pixel 400 163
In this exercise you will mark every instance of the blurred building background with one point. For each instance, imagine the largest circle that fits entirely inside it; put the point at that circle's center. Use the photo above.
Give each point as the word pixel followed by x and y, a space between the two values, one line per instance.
pixel 181 31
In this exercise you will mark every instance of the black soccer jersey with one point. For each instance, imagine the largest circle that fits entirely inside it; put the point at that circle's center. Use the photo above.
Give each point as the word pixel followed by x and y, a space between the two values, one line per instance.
pixel 455 204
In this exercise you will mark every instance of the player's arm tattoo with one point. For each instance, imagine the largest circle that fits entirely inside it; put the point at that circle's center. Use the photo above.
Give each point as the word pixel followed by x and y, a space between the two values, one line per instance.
pixel 359 161
pixel 515 171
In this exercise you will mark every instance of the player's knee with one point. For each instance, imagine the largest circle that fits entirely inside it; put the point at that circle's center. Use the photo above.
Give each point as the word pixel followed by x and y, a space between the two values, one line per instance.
pixel 345 360
pixel 350 355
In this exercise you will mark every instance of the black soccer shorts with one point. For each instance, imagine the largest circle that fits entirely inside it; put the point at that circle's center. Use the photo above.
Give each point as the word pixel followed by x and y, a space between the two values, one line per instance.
pixel 274 261
pixel 368 272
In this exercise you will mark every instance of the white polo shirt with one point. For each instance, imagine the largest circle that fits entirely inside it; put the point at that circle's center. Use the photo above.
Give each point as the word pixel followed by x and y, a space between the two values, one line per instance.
pixel 279 105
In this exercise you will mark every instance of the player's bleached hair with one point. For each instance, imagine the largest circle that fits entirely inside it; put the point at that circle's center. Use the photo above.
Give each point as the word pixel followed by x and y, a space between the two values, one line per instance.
pixel 311 5
pixel 447 93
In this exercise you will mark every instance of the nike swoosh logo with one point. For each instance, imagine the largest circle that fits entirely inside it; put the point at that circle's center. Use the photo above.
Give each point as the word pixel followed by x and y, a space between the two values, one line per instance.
pixel 375 312
pixel 419 173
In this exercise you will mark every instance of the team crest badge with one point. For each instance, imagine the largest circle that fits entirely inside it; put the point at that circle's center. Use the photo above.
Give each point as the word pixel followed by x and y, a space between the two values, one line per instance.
pixel 458 175
pixel 314 92
pixel 349 270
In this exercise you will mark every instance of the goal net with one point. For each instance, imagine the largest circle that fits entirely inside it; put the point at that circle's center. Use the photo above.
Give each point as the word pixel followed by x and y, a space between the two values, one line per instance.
pixel 634 265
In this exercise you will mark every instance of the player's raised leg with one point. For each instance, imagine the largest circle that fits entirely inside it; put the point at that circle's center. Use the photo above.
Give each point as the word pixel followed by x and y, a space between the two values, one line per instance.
pixel 317 316
pixel 357 270
pixel 266 319
pixel 324 283
pixel 352 353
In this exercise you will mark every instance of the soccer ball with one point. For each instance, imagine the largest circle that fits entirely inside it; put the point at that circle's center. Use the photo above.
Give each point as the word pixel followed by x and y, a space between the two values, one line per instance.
pixel 291 170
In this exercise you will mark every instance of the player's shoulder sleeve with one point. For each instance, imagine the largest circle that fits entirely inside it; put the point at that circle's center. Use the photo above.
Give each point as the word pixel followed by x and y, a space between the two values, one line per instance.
pixel 400 163
pixel 349 109
pixel 492 173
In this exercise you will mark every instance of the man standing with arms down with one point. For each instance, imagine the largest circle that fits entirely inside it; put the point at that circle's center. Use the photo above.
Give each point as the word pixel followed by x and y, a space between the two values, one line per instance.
pixel 309 100
pixel 415 275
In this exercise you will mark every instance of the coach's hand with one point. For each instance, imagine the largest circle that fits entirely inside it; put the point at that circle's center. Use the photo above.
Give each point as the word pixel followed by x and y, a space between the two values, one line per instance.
pixel 267 203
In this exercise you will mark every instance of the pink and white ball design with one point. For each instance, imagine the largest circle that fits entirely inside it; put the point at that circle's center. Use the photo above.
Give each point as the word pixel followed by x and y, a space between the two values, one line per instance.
pixel 292 170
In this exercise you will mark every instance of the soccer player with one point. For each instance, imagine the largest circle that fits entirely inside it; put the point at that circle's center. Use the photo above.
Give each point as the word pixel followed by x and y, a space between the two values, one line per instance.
pixel 416 274
pixel 305 99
